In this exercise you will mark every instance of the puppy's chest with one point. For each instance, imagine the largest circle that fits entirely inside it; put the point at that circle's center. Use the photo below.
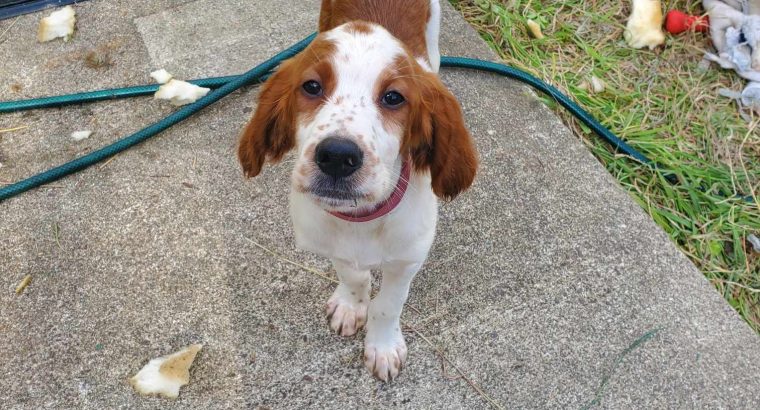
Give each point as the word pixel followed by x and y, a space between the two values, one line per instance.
pixel 365 244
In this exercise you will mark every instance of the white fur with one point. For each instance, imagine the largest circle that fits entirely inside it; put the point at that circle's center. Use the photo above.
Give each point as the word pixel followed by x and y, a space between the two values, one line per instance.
pixel 644 27
pixel 397 243
pixel 432 33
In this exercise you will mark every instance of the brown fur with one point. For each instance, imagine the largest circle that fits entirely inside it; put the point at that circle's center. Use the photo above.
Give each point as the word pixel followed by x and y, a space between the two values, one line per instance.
pixel 270 133
pixel 405 19
pixel 435 136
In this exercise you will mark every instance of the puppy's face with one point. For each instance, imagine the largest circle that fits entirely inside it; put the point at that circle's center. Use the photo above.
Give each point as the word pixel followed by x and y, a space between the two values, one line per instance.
pixel 355 105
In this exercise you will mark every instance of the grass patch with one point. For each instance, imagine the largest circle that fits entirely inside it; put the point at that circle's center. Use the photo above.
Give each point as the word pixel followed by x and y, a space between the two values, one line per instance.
pixel 665 104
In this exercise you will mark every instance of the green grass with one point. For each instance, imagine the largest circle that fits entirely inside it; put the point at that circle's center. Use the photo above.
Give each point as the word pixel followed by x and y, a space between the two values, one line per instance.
pixel 665 104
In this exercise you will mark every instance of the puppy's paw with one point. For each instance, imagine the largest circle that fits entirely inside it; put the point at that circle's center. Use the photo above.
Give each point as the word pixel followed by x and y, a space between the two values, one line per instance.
pixel 346 313
pixel 385 358
pixel 644 27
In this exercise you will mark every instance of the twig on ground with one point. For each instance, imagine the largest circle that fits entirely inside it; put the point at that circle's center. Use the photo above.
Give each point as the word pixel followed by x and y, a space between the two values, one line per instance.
pixel 100 168
pixel 472 384
pixel 432 317
pixel 24 283
pixel 745 287
pixel 57 234
pixel 750 131
pixel 21 127
pixel 284 259
pixel 619 359
pixel 445 372
pixel 2 36
pixel 417 311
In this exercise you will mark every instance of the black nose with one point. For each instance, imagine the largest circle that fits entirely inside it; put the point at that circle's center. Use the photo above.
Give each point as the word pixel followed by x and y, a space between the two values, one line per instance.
pixel 338 157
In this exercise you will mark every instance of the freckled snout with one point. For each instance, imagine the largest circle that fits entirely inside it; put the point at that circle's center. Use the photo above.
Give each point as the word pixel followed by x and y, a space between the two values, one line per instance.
pixel 338 157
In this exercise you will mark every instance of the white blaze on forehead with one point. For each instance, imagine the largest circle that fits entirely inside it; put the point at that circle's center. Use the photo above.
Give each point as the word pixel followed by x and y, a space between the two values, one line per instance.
pixel 361 57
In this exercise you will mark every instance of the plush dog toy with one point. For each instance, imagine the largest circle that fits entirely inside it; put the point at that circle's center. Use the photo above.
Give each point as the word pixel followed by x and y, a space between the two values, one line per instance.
pixel 735 32
pixel 676 22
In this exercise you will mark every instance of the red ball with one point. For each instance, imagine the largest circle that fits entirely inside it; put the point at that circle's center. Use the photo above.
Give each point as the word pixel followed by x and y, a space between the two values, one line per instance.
pixel 677 22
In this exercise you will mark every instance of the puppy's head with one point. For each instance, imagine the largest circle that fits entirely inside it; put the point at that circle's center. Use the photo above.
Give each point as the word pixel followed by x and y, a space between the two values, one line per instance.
pixel 355 105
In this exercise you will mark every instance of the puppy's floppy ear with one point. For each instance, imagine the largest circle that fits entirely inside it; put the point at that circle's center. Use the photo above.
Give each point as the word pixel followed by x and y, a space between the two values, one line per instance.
pixel 270 133
pixel 439 141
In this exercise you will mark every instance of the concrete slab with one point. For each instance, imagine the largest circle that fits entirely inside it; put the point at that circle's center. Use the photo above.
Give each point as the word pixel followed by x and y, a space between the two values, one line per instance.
pixel 541 282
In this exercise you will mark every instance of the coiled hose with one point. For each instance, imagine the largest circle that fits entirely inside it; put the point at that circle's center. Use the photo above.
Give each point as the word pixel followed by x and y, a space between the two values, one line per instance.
pixel 225 85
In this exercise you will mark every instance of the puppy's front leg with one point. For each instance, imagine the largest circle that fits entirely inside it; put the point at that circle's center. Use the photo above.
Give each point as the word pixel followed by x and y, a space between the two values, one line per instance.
pixel 347 307
pixel 384 347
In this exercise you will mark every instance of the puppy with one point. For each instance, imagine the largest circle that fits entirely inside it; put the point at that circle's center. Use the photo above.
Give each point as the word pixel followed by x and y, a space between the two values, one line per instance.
pixel 377 138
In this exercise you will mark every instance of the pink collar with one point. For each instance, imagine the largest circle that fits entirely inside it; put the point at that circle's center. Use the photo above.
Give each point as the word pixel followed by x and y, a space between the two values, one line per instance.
pixel 385 207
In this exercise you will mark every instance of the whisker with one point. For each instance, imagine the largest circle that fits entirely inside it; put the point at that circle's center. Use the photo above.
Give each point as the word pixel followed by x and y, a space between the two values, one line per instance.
pixel 413 76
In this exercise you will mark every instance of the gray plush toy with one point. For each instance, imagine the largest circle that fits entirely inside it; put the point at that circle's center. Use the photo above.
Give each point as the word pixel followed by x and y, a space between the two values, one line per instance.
pixel 735 31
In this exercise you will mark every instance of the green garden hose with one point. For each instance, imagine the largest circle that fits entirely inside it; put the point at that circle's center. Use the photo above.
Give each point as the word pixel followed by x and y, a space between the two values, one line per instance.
pixel 226 85
pixel 100 95
pixel 176 117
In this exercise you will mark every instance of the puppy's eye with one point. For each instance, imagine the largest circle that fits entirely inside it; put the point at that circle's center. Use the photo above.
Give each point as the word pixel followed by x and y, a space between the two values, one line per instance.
pixel 392 99
pixel 312 88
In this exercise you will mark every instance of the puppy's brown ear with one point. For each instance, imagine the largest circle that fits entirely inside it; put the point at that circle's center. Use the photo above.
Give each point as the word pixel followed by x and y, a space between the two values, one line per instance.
pixel 440 141
pixel 270 133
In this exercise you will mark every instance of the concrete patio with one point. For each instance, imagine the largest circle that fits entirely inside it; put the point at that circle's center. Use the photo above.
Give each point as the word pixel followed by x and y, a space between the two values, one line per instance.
pixel 547 285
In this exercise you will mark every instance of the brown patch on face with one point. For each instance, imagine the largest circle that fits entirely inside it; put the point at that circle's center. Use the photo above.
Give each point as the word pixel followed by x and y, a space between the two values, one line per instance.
pixel 322 127
pixel 320 70
pixel 405 19
pixel 398 77
pixel 270 133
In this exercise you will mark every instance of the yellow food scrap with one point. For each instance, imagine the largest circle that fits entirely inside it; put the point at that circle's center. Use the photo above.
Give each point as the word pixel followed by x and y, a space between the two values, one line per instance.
pixel 180 92
pixel 59 23
pixel 165 375
pixel 534 29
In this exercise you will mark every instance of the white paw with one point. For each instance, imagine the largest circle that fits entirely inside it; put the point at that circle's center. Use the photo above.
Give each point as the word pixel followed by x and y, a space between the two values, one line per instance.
pixel 346 313
pixel 384 359
pixel 644 27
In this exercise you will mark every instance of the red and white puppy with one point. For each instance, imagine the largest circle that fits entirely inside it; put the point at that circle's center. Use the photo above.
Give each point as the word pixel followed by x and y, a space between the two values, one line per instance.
pixel 377 137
